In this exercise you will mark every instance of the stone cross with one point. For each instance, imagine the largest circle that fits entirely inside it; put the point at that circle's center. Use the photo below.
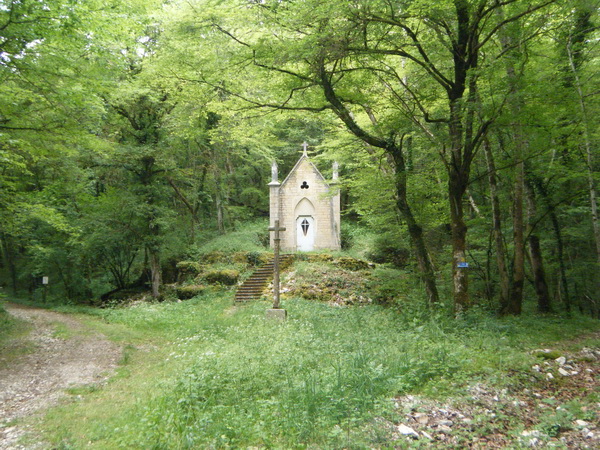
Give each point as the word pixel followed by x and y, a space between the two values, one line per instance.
pixel 277 240
pixel 305 148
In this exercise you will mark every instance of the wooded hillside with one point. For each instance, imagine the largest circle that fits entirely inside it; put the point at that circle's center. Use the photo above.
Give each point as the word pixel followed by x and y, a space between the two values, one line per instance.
pixel 133 131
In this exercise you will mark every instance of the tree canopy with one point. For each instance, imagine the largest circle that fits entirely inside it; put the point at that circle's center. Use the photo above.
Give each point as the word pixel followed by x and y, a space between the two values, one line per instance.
pixel 132 131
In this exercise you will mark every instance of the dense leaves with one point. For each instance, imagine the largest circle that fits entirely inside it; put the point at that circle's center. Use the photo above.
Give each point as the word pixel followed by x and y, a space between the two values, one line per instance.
pixel 132 131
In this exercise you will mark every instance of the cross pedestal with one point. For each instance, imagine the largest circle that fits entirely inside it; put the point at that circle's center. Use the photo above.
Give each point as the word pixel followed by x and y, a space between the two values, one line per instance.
pixel 276 241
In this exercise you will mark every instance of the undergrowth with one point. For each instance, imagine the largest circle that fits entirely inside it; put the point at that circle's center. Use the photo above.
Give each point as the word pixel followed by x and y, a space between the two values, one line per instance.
pixel 231 378
pixel 10 327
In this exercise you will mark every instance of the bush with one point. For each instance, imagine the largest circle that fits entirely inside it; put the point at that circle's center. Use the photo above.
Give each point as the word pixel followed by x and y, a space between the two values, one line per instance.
pixel 315 257
pixel 239 258
pixel 257 258
pixel 387 285
pixel 187 292
pixel 389 249
pixel 250 237
pixel 188 270
pixel 225 277
pixel 349 234
pixel 5 322
pixel 215 257
pixel 352 264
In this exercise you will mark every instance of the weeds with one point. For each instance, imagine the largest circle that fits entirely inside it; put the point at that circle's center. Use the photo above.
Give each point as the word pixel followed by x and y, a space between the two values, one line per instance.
pixel 227 377
pixel 251 382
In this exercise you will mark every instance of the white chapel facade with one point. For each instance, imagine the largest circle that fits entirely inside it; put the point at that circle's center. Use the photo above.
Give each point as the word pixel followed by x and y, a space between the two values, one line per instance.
pixel 307 206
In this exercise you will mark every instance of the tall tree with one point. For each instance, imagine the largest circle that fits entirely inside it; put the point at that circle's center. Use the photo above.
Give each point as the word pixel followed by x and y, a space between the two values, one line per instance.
pixel 373 62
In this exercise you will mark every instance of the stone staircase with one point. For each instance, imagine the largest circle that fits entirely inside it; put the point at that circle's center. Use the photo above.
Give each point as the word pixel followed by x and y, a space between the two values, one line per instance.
pixel 253 287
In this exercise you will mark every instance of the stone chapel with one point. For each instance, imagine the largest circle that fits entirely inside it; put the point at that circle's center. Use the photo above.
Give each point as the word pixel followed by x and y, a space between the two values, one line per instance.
pixel 307 206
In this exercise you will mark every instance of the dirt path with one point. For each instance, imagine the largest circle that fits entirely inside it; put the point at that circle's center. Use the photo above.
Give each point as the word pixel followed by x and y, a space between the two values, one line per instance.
pixel 65 354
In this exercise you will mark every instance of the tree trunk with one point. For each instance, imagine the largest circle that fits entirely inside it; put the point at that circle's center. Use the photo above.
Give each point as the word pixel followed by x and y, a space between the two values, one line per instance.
pixel 518 279
pixel 535 253
pixel 414 229
pixel 9 261
pixel 497 227
pixel 515 301
pixel 588 152
pixel 460 278
pixel 155 271
pixel 563 285
pixel 219 202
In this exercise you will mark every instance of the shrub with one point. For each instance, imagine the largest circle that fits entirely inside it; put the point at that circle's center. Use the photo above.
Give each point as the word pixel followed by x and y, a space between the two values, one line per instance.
pixel 349 234
pixel 257 258
pixel 187 292
pixel 214 257
pixel 387 285
pixel 389 249
pixel 352 264
pixel 226 277
pixel 188 270
pixel 319 257
pixel 239 258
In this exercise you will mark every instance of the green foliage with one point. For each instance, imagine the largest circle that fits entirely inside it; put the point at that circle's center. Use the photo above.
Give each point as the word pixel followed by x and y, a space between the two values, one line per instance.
pixel 389 286
pixel 188 270
pixel 11 328
pixel 6 324
pixel 190 291
pixel 352 264
pixel 348 234
pixel 250 238
pixel 391 248
pixel 257 258
pixel 226 277
pixel 315 380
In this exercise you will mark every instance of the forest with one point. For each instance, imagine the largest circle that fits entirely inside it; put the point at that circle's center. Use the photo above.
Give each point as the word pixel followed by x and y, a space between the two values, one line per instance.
pixel 137 139
pixel 135 131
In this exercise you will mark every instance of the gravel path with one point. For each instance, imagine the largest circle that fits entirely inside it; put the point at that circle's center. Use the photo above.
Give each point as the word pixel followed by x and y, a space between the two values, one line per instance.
pixel 37 380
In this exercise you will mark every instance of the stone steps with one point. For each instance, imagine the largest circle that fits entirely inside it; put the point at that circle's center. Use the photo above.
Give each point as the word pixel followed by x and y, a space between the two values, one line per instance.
pixel 253 287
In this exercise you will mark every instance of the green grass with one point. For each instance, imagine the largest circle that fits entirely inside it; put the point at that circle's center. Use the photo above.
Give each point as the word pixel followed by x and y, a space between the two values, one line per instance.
pixel 11 329
pixel 201 374
pixel 249 238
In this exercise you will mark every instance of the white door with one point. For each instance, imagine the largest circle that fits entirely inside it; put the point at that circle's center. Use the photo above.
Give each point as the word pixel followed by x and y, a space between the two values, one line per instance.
pixel 305 233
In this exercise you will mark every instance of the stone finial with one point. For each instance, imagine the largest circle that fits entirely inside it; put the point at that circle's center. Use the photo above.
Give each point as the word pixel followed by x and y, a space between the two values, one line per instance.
pixel 336 168
pixel 274 172
pixel 304 148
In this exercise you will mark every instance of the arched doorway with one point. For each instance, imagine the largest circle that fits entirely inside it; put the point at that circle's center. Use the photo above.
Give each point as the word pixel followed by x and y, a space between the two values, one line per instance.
pixel 305 225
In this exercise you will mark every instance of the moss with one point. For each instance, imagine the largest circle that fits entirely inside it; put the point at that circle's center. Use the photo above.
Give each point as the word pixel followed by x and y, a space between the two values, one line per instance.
pixel 257 258
pixel 190 291
pixel 320 257
pixel 547 354
pixel 352 264
pixel 225 277
pixel 215 257
pixel 239 257
pixel 188 270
